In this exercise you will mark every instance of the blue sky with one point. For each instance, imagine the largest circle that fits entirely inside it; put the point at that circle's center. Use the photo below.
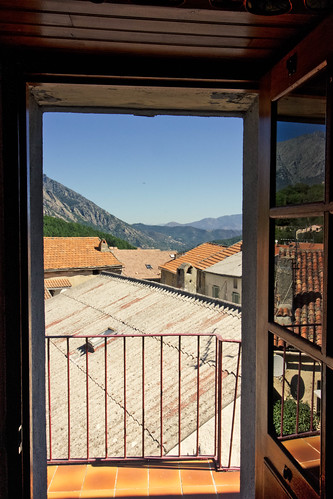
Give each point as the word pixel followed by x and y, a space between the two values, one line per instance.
pixel 289 130
pixel 149 170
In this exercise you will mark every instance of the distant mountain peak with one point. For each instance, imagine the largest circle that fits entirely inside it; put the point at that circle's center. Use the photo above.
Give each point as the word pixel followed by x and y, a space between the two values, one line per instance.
pixel 300 160
pixel 70 206
pixel 225 222
pixel 66 204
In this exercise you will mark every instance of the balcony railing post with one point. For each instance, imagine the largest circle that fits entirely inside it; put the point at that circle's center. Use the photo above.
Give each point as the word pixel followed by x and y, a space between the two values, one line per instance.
pixel 283 388
pixel 179 394
pixel 125 440
pixel 234 407
pixel 49 395
pixel 161 400
pixel 298 390
pixel 87 394
pixel 198 393
pixel 215 395
pixel 143 396
pixel 219 406
pixel 68 402
pixel 106 395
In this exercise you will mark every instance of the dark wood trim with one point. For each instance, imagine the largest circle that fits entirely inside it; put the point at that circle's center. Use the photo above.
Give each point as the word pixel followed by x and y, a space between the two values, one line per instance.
pixel 301 488
pixel 14 330
pixel 309 61
pixel 3 363
pixel 299 211
pixel 298 342
pixel 277 84
pixel 264 151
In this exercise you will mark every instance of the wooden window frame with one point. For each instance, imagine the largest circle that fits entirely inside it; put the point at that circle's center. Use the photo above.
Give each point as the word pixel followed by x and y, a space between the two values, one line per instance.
pixel 273 86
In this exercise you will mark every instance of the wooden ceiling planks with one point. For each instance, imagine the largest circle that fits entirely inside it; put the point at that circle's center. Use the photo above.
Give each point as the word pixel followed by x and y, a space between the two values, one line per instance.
pixel 82 26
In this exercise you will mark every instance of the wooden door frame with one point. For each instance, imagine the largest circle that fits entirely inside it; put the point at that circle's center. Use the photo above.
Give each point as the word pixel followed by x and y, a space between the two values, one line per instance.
pixel 312 54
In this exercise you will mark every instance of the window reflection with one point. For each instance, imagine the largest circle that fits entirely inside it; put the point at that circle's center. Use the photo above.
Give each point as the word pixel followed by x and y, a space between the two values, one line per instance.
pixel 300 144
pixel 296 403
pixel 298 276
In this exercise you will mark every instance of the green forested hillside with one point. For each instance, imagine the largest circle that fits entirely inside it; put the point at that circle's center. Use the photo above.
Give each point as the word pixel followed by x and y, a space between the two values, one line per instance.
pixel 300 194
pixel 55 227
pixel 227 242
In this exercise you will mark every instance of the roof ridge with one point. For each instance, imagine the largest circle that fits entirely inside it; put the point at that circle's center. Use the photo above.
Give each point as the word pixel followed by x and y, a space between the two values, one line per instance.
pixel 225 248
pixel 198 299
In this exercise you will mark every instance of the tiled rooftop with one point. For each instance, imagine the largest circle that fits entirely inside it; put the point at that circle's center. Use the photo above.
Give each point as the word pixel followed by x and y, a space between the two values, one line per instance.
pixel 203 256
pixel 230 266
pixel 131 307
pixel 135 262
pixel 76 252
pixel 193 479
pixel 55 283
pixel 306 281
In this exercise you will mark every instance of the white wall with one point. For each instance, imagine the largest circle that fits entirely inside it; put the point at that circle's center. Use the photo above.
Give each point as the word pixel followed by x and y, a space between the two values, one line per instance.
pixel 226 285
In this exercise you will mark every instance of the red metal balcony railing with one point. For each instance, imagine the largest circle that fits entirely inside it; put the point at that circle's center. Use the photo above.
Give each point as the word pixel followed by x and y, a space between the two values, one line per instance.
pixel 121 397
pixel 299 392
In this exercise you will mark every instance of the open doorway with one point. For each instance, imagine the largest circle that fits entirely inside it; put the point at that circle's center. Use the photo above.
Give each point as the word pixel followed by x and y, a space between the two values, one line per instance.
pixel 168 185
pixel 242 104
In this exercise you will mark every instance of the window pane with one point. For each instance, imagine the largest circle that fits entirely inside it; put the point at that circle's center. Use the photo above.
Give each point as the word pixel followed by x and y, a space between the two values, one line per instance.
pixel 296 406
pixel 298 276
pixel 300 144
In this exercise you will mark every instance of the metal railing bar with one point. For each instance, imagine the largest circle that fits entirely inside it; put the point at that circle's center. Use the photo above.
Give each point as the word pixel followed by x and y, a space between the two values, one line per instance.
pixel 198 393
pixel 106 395
pixel 161 399
pixel 219 407
pixel 312 395
pixel 139 458
pixel 179 395
pixel 49 396
pixel 143 396
pixel 234 407
pixel 139 335
pixel 299 435
pixel 298 390
pixel 216 380
pixel 87 395
pixel 125 449
pixel 68 403
pixel 283 388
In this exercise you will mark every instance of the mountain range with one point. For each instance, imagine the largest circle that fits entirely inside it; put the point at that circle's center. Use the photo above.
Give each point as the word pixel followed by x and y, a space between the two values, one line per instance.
pixel 66 204
pixel 300 160
pixel 186 236
pixel 226 222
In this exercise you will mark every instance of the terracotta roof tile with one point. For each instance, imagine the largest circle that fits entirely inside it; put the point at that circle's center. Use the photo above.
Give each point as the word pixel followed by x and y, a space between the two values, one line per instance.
pixel 47 294
pixel 54 283
pixel 307 279
pixel 76 252
pixel 136 261
pixel 221 255
pixel 203 256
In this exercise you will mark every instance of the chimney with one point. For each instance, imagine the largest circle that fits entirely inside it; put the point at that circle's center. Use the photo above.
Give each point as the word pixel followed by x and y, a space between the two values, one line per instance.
pixel 103 246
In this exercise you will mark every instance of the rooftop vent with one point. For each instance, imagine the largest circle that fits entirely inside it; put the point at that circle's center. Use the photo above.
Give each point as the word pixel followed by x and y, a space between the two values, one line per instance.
pixel 94 343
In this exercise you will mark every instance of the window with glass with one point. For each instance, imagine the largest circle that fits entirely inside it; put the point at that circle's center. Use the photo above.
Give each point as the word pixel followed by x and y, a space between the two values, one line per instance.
pixel 300 221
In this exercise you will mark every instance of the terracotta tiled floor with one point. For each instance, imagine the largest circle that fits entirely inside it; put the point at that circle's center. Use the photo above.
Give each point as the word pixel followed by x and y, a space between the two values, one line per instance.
pixel 307 452
pixel 195 480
